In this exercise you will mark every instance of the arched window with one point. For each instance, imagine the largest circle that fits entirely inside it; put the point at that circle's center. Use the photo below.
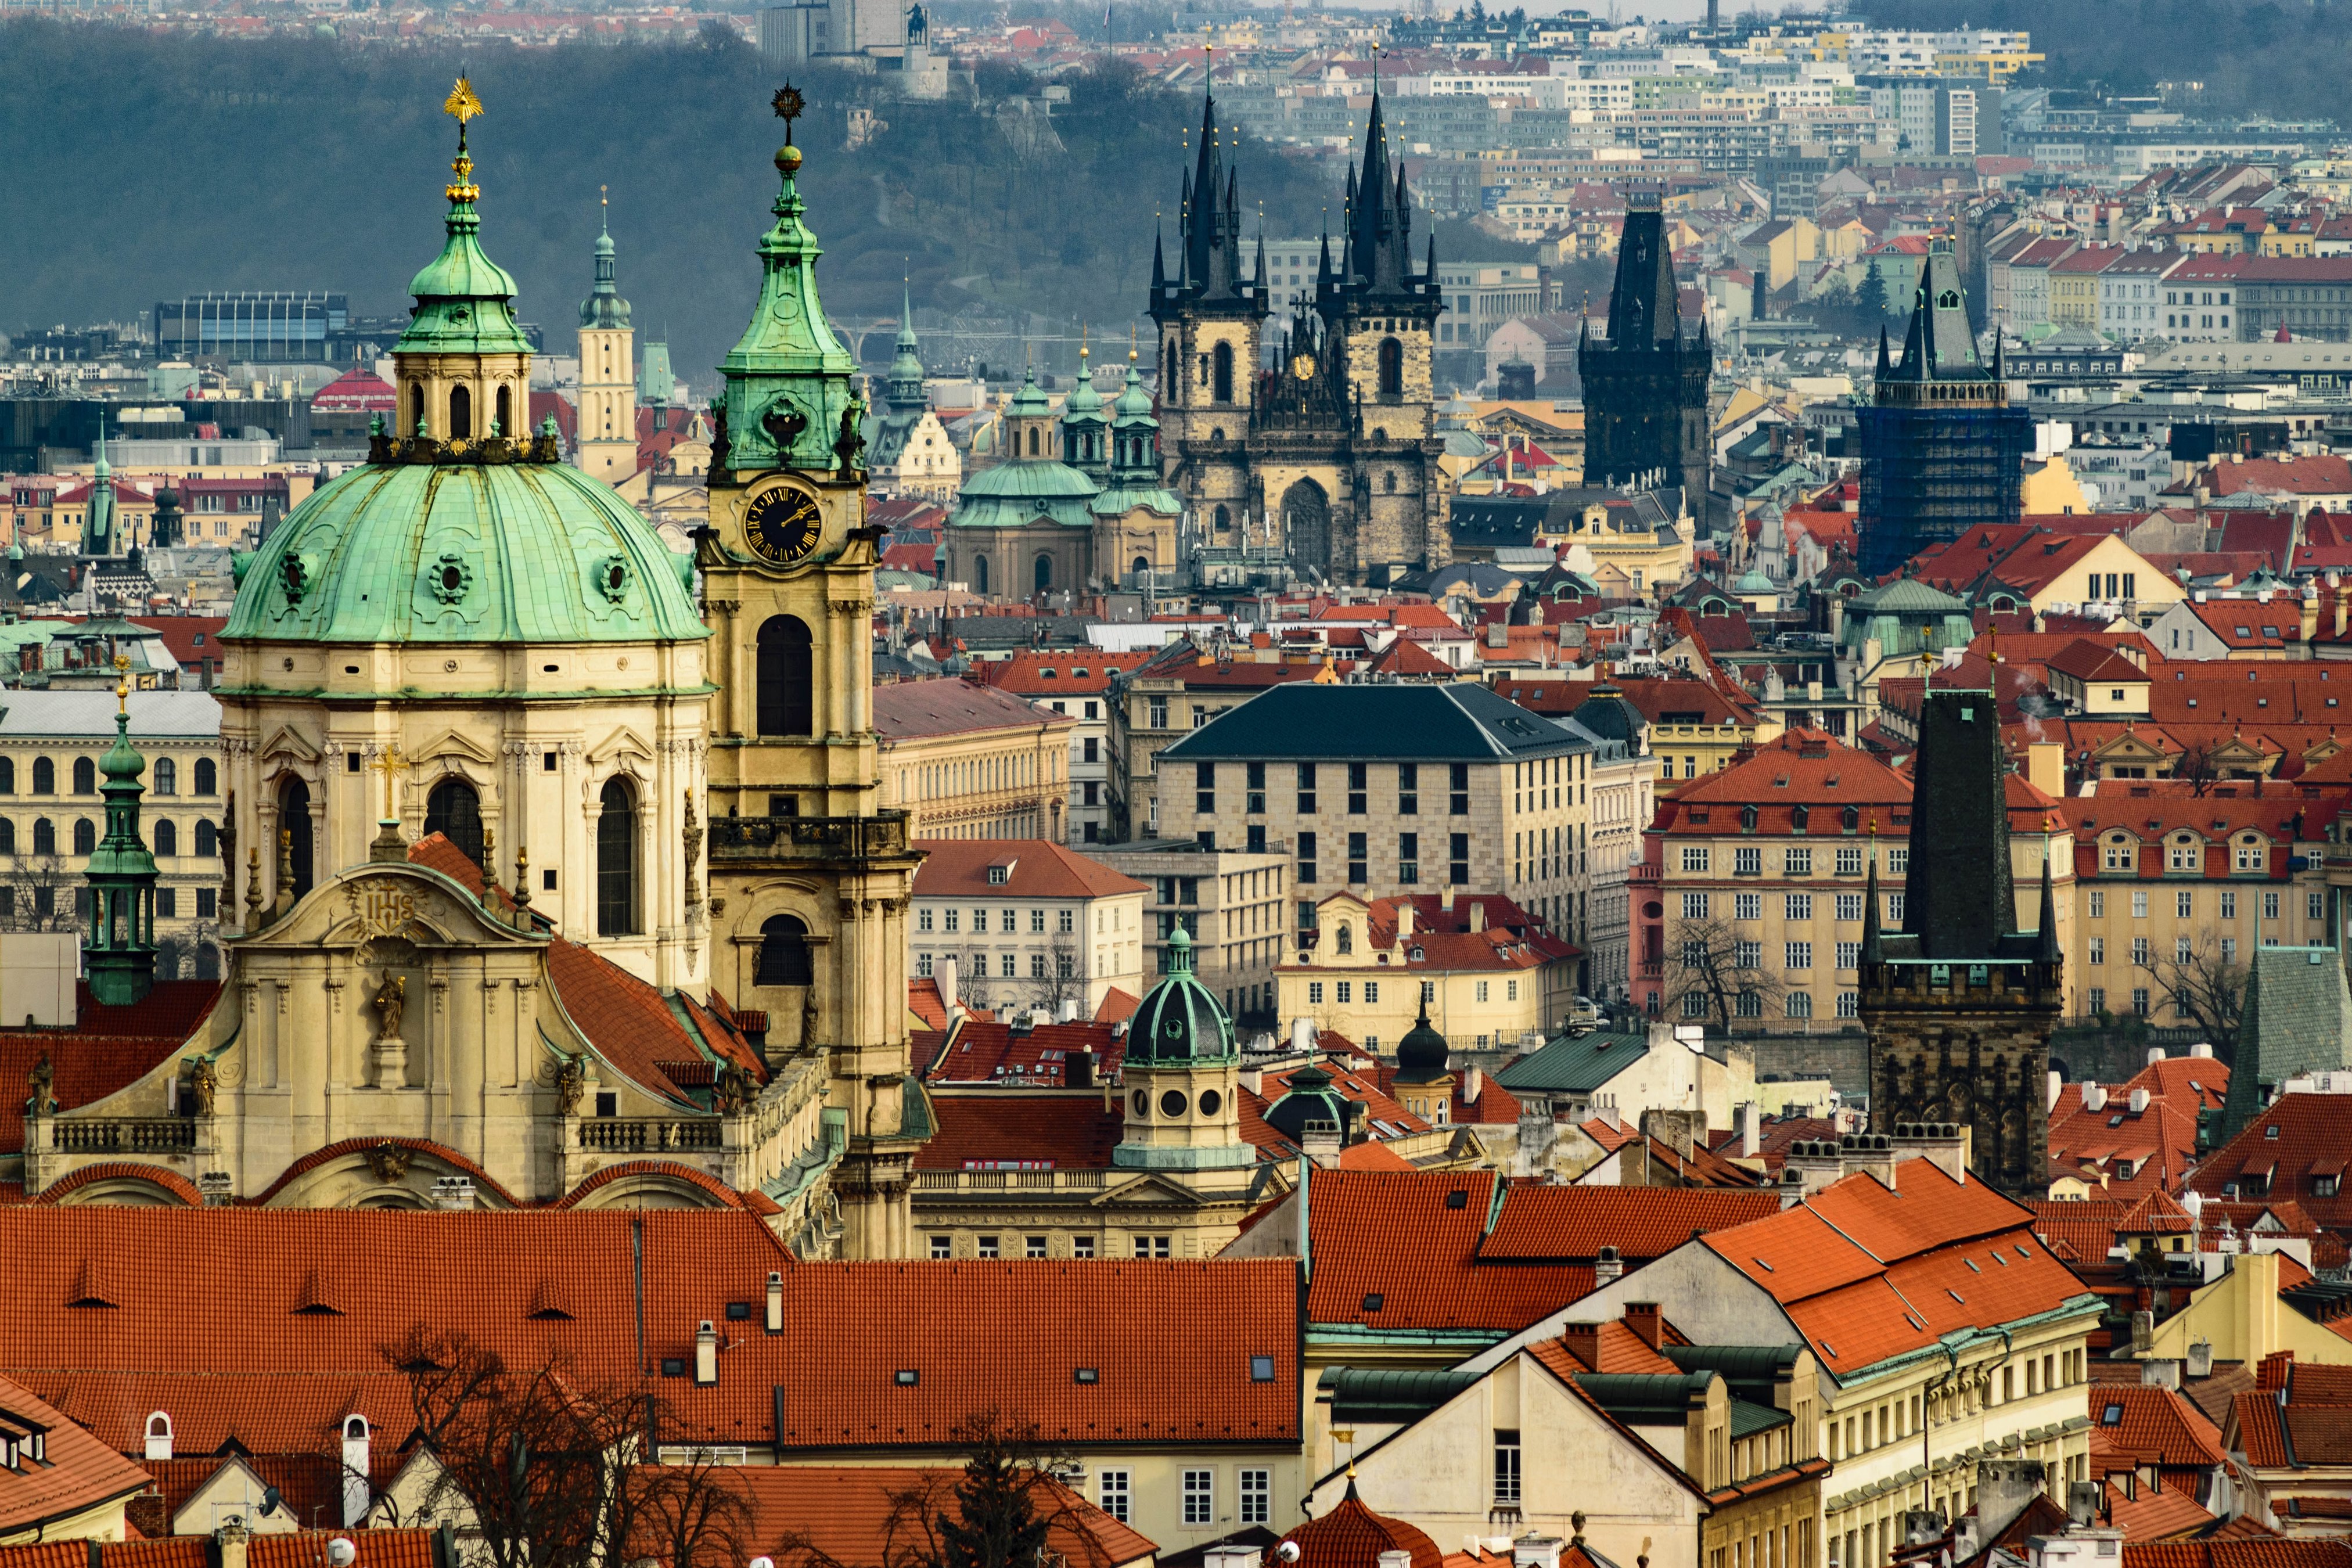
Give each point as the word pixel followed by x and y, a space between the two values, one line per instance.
pixel 506 411
pixel 208 837
pixel 416 411
pixel 85 776
pixel 1221 373
pixel 45 776
pixel 1392 368
pixel 167 836
pixel 294 827
pixel 7 775
pixel 1044 572
pixel 85 836
pixel 787 678
pixel 45 836
pixel 1142 564
pixel 979 575
pixel 455 811
pixel 616 860
pixel 167 776
pixel 355 1427
pixel 1032 441
pixel 207 776
pixel 461 412
pixel 784 953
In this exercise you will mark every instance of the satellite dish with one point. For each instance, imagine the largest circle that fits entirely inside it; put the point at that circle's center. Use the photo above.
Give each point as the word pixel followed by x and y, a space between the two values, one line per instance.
pixel 270 1499
pixel 1287 1551
pixel 340 1553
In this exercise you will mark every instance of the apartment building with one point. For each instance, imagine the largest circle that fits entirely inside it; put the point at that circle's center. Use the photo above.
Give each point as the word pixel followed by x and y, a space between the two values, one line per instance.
pixel 1029 923
pixel 1234 905
pixel 1485 974
pixel 1380 789
pixel 1074 683
pixel 1169 696
pixel 964 760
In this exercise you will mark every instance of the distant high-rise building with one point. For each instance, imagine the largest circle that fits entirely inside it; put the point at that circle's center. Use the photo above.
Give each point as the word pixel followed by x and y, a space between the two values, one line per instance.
pixel 1942 450
pixel 1645 388
pixel 608 389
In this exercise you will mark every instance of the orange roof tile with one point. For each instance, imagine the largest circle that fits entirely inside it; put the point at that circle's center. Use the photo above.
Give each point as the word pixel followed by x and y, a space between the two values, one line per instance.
pixel 1002 1128
pixel 1032 868
pixel 1398 1249
pixel 107 1049
pixel 77 1473
pixel 840 1513
pixel 1563 1224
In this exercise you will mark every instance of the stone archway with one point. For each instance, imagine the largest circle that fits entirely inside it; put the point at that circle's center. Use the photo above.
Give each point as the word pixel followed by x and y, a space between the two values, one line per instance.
pixel 1307 525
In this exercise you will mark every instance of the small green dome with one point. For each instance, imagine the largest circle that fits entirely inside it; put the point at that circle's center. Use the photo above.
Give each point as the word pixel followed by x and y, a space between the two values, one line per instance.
pixel 465 552
pixel 1310 1098
pixel 121 760
pixel 1753 581
pixel 1084 406
pixel 1134 405
pixel 1029 403
pixel 1180 1024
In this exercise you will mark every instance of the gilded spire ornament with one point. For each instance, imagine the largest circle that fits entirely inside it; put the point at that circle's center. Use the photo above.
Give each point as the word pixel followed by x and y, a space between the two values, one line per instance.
pixel 462 105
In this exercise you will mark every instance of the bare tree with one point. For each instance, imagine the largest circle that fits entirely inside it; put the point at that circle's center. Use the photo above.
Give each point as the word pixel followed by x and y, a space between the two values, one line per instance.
pixel 36 893
pixel 544 1467
pixel 1064 978
pixel 1004 1509
pixel 2195 768
pixel 2207 987
pixel 1710 960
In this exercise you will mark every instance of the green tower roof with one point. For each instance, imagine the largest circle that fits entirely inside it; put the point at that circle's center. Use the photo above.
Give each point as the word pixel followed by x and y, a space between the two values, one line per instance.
pixel 1180 1022
pixel 120 953
pixel 464 301
pixel 789 395
pixel 605 308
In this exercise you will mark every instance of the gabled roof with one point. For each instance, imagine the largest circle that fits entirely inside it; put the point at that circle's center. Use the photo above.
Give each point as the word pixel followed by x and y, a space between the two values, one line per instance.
pixel 843 1514
pixel 913 709
pixel 79 1472
pixel 1032 868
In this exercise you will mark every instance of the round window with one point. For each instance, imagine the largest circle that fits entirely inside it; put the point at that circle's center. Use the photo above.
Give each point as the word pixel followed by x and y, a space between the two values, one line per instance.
pixel 1142 1102
pixel 452 578
pixel 1210 1100
pixel 1173 1103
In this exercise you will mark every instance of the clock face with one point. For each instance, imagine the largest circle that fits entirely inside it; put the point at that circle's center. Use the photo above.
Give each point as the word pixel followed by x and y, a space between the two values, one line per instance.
pixel 783 525
pixel 1303 367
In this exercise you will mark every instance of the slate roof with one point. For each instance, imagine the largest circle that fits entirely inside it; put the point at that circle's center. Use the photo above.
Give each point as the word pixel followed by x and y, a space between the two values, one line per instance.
pixel 1570 1065
pixel 1458 721
pixel 2296 1017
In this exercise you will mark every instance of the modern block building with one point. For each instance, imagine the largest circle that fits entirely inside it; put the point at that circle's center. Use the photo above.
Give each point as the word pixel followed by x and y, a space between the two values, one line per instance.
pixel 1378 790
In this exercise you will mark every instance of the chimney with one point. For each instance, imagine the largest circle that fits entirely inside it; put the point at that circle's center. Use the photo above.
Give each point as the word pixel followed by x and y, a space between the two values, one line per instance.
pixel 2155 1055
pixel 1445 900
pixel 1870 1151
pixel 356 1490
pixel 1067 1012
pixel 2045 766
pixel 1641 1317
pixel 2201 1050
pixel 1399 1559
pixel 1943 1144
pixel 705 1355
pixel 1751 1131
pixel 229 1541
pixel 1608 1269
pixel 2138 1100
pixel 1404 913
pixel 775 1302
pixel 1477 914
pixel 944 976
pixel 1533 1551
pixel 455 1193
pixel 1302 1034
pixel 2201 1360
pixel 1230 1556
pixel 2083 1503
pixel 2095 1097
pixel 2162 1374
pixel 2143 1331
pixel 1583 1343
pixel 2006 1488
pixel 1078 1069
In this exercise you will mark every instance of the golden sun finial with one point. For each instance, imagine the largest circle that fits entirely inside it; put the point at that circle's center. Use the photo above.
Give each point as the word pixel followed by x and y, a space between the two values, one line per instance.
pixel 462 104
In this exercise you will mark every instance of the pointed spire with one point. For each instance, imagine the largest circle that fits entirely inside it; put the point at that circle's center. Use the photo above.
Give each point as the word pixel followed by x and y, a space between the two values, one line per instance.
pixel 120 951
pixel 1159 266
pixel 1886 365
pixel 2045 944
pixel 604 310
pixel 1872 950
pixel 1259 281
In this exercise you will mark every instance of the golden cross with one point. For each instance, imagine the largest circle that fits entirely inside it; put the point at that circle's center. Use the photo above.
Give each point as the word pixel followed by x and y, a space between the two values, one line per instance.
pixel 387 761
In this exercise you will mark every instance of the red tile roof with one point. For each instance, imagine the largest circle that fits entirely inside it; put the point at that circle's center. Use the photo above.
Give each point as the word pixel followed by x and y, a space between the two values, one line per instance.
pixel 1802 768
pixel 910 709
pixel 1353 1536
pixel 1398 1250
pixel 2311 1130
pixel 1033 867
pixel 305 1549
pixel 80 1473
pixel 989 1050
pixel 1540 1223
pixel 1000 1129
pixel 1047 673
pixel 235 1291
pixel 843 1514
pixel 1866 1273
pixel 2153 1513
pixel 2153 1425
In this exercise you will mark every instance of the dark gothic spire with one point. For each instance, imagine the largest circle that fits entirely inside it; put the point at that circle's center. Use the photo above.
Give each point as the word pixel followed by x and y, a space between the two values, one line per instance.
pixel 1872 950
pixel 1158 267
pixel 1645 308
pixel 2046 943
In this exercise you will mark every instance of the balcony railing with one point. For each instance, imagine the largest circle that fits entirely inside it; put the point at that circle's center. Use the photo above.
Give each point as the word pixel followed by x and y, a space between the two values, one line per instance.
pixel 647 1134
pixel 817 838
pixel 141 1135
pixel 1008 1181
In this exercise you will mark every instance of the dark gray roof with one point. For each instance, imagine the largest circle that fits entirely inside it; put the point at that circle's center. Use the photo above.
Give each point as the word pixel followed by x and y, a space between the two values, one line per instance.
pixel 1570 1066
pixel 2297 1018
pixel 1459 722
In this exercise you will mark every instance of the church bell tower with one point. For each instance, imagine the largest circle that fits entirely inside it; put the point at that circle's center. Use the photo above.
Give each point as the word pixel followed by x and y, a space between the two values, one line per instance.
pixel 810 876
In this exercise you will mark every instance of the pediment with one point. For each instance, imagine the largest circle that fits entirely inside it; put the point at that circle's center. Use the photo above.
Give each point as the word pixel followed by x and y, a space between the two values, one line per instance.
pixel 289 742
pixel 624 743
pixel 1146 1187
pixel 452 743
pixel 385 903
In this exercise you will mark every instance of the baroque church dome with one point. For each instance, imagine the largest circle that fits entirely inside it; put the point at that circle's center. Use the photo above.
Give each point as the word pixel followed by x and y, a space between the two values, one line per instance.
pixel 496 553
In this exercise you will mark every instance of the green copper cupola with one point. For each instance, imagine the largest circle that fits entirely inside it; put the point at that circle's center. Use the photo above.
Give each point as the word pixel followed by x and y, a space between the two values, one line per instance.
pixel 604 310
pixel 791 398
pixel 464 301
pixel 121 943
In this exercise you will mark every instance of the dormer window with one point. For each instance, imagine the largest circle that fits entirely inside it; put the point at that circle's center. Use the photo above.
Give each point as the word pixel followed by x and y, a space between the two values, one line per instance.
pixel 996 875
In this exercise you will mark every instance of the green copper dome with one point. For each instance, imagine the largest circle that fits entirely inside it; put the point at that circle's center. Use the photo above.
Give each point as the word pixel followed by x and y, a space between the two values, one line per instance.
pixel 1084 406
pixel 489 552
pixel 1134 403
pixel 604 310
pixel 1181 1024
pixel 790 402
